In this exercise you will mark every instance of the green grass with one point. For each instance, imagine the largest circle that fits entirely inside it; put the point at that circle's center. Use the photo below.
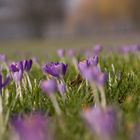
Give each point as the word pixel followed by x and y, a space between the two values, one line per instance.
pixel 122 92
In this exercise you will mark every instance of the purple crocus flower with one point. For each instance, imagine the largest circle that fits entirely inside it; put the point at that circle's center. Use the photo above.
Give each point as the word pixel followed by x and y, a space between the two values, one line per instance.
pixel 97 49
pixel 83 65
pixel 125 49
pixel 90 73
pixel 3 58
pixel 135 48
pixel 49 86
pixel 61 53
pixel 27 65
pixel 71 53
pixel 130 49
pixel 93 61
pixel 90 62
pixel 31 127
pixel 17 76
pixel 55 69
pixel 102 121
pixel 5 83
pixel 21 65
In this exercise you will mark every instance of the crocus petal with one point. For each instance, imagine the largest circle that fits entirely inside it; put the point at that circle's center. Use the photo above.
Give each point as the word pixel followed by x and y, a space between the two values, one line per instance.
pixel 49 86
pixel 17 76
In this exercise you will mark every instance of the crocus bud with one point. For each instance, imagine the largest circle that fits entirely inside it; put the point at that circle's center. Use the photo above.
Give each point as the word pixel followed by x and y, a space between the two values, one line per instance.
pixel 93 61
pixel 55 69
pixel 49 86
pixel 97 49
pixel 61 53
pixel 70 53
pixel 91 73
pixel 28 65
pixel 17 76
pixel 83 65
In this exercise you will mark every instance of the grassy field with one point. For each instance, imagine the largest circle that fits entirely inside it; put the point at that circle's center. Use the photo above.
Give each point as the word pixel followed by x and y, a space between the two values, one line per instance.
pixel 40 48
pixel 21 99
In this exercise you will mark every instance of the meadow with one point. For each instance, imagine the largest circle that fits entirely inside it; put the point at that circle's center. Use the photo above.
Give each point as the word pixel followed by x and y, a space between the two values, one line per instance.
pixel 72 89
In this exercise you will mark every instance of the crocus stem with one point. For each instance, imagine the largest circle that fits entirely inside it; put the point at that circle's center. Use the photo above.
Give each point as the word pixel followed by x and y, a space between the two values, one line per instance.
pixel 9 109
pixel 63 82
pixel 63 59
pixel 55 104
pixel 103 98
pixel 29 81
pixel 75 63
pixel 2 130
pixel 1 108
pixel 18 90
pixel 95 94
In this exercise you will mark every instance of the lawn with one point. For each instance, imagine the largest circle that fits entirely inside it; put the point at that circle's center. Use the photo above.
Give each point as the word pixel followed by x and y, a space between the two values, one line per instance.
pixel 75 100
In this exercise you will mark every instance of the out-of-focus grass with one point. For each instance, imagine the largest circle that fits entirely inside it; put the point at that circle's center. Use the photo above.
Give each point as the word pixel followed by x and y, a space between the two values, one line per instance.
pixel 40 48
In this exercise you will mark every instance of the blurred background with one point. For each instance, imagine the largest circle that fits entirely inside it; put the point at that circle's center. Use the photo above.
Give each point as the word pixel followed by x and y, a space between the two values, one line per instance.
pixel 39 28
pixel 43 19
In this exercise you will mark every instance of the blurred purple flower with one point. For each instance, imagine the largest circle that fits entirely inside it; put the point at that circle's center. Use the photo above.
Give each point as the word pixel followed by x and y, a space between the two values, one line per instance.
pixel 83 65
pixel 102 78
pixel 88 53
pixel 130 49
pixel 62 88
pixel 135 48
pixel 33 127
pixel 97 49
pixel 125 49
pixel 17 76
pixel 61 53
pixel 102 121
pixel 49 86
pixel 5 83
pixel 70 53
pixel 55 69
pixel 93 61
pixel 3 58
pixel 91 73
